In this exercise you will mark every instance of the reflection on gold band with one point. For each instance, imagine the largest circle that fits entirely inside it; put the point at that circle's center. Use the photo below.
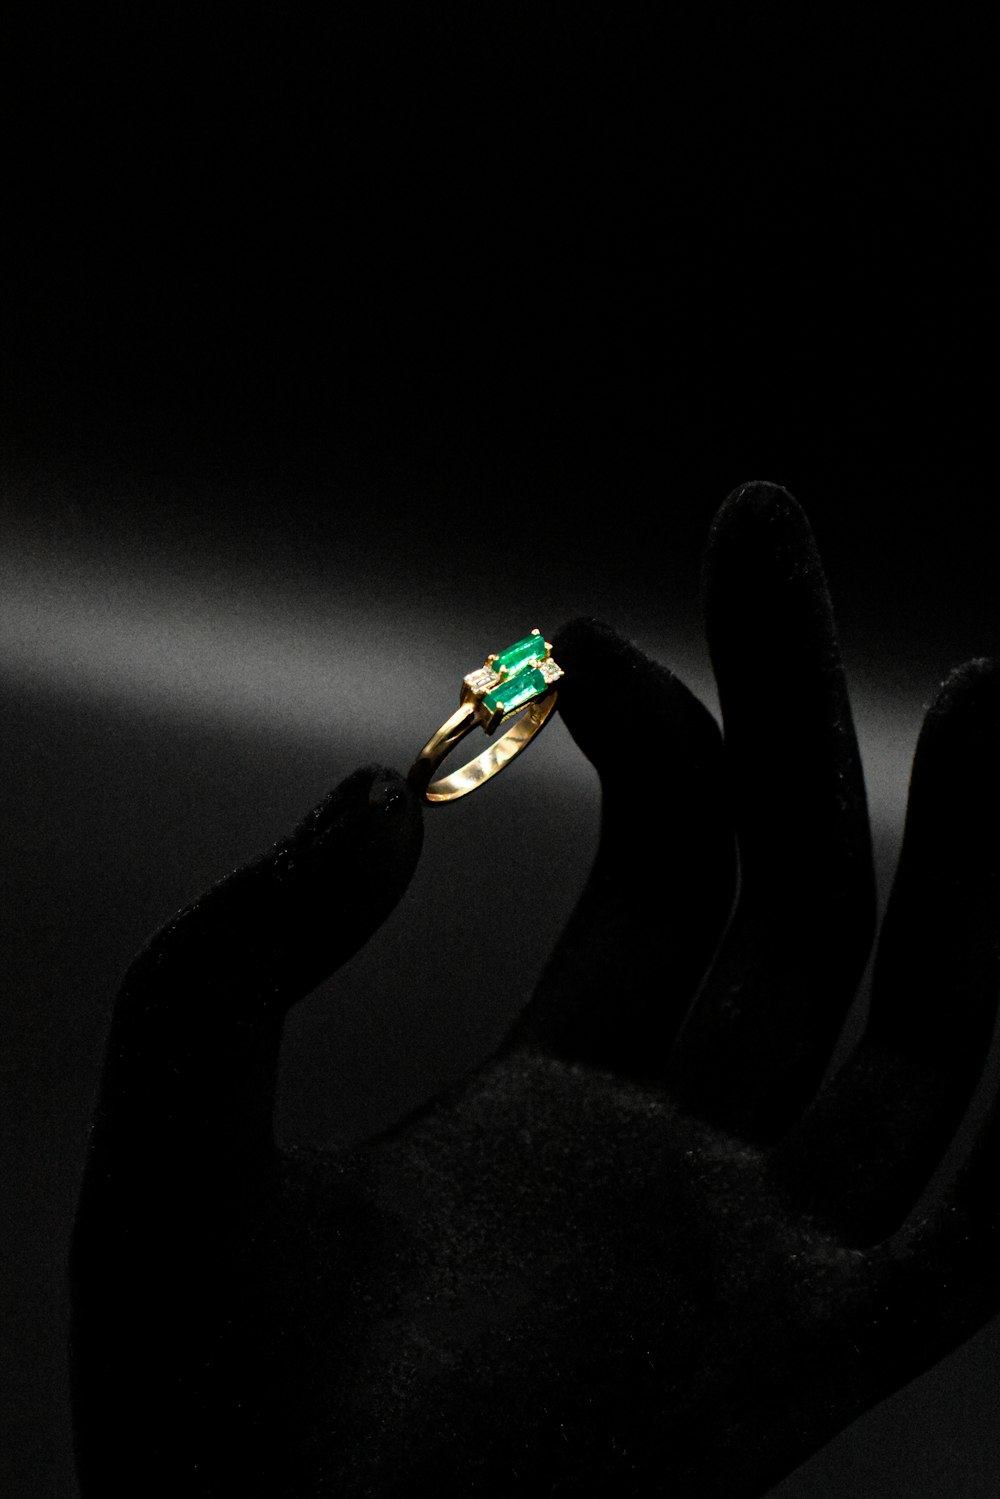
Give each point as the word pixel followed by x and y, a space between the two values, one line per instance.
pixel 468 777
pixel 521 677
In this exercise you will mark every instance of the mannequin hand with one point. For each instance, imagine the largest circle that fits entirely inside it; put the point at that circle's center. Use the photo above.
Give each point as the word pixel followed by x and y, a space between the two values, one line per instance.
pixel 641 1251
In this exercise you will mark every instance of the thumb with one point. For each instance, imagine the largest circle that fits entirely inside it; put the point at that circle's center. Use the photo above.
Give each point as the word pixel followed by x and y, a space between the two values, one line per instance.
pixel 192 1060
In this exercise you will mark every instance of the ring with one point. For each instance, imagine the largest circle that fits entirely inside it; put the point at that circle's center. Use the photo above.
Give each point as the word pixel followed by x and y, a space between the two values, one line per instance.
pixel 521 677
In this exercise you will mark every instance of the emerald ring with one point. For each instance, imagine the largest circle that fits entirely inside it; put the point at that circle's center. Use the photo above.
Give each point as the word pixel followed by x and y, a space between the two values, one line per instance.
pixel 519 681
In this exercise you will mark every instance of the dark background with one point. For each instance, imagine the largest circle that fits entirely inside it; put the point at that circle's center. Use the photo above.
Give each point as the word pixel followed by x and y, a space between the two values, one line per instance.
pixel 339 348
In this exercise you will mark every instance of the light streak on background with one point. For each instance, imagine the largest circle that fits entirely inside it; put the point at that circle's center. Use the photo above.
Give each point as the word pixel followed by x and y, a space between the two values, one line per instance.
pixel 246 690
pixel 334 670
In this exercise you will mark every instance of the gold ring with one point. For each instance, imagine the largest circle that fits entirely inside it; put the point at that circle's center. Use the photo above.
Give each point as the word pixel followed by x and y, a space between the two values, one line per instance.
pixel 522 677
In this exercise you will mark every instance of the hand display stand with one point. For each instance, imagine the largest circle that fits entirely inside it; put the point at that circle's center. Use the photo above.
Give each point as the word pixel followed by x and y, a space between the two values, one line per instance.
pixel 634 1254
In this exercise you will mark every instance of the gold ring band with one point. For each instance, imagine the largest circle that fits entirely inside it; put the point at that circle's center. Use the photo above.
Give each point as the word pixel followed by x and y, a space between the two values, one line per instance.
pixel 519 680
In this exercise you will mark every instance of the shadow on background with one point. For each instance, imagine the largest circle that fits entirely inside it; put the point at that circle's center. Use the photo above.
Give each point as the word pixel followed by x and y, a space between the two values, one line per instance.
pixel 166 716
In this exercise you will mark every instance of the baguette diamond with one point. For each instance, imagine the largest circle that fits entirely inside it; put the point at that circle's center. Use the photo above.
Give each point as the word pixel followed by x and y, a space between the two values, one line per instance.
pixel 482 680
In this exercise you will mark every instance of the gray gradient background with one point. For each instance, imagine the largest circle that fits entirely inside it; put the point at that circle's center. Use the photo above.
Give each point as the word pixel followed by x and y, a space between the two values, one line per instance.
pixel 170 707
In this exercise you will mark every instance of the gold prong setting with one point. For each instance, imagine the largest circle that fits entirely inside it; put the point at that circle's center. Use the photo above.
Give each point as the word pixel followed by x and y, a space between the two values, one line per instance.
pixel 514 687
pixel 508 680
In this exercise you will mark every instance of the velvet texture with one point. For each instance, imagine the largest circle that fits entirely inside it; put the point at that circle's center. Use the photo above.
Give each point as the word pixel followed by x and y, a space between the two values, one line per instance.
pixel 634 1254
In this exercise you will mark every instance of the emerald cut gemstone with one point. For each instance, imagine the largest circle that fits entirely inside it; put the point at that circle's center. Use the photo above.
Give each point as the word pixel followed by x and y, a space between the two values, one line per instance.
pixel 515 691
pixel 531 648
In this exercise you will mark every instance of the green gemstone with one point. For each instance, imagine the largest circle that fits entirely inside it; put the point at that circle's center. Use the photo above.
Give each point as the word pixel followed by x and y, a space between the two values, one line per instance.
pixel 531 648
pixel 515 691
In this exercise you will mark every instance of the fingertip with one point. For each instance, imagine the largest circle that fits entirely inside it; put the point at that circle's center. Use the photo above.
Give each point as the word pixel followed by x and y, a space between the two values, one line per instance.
pixel 372 810
pixel 971 690
pixel 371 791
pixel 759 495
pixel 602 667
pixel 751 509
pixel 962 724
pixel 760 535
pixel 344 867
pixel 396 815
pixel 390 797
pixel 584 642
pixel 940 933
pixel 588 651
pixel 954 776
pixel 589 648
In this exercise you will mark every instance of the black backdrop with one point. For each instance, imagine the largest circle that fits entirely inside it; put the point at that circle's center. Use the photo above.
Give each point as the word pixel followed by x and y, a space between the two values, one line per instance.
pixel 339 344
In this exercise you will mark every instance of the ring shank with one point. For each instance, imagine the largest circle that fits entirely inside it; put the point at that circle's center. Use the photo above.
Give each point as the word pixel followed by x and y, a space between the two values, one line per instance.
pixel 493 759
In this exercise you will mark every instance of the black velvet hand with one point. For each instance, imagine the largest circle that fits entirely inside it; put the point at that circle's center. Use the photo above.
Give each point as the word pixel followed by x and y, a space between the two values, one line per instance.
pixel 635 1253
